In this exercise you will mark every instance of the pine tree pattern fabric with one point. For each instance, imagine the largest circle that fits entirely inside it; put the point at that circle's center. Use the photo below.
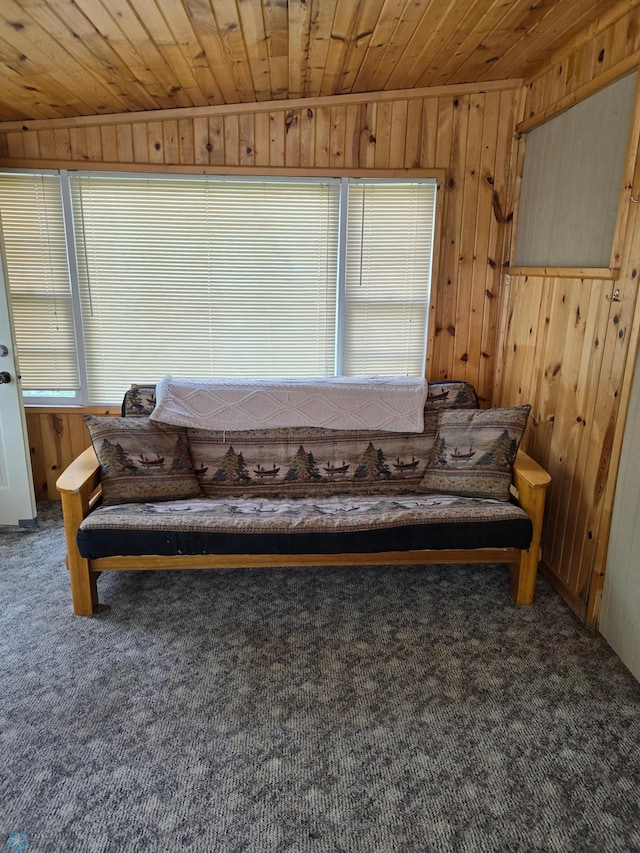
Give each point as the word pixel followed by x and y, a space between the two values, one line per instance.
pixel 304 461
pixel 473 452
pixel 141 460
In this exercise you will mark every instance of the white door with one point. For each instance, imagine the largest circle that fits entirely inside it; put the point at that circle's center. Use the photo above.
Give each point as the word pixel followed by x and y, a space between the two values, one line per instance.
pixel 17 499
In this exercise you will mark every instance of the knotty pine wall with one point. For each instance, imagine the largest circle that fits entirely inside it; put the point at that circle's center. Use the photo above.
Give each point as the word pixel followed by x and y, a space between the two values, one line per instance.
pixel 56 437
pixel 570 351
pixel 466 133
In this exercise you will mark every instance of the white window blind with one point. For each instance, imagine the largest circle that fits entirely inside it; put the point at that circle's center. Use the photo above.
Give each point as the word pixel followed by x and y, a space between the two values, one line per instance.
pixel 205 279
pixel 38 275
pixel 210 277
pixel 388 274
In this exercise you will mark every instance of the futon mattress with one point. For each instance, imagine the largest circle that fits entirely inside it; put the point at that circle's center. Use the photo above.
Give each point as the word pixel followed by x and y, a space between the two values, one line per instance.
pixel 326 525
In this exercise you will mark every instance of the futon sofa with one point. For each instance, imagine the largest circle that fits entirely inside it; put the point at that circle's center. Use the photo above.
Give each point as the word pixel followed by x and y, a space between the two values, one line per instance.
pixel 154 495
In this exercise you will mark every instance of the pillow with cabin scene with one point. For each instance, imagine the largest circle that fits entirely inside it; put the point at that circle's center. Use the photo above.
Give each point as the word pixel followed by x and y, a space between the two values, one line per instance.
pixel 474 451
pixel 142 460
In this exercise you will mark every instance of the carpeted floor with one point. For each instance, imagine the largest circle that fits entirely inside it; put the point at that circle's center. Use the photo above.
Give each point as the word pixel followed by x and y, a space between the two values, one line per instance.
pixel 330 710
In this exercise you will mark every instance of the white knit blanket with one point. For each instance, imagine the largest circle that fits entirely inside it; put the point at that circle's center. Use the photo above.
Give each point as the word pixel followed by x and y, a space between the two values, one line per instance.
pixel 391 403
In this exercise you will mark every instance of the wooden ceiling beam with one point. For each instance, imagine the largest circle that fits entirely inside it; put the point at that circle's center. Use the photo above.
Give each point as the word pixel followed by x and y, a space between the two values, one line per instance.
pixel 261 107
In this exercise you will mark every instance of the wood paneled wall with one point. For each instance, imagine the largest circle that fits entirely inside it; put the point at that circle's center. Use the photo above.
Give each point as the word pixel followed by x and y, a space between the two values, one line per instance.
pixel 466 133
pixel 569 350
pixel 565 351
pixel 597 56
pixel 56 437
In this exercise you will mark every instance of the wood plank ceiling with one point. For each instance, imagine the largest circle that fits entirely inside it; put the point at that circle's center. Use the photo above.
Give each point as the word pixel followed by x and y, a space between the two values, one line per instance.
pixel 65 58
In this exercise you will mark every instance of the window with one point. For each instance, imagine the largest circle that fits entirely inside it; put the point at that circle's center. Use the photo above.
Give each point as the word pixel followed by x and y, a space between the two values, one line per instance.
pixel 388 263
pixel 571 183
pixel 213 277
pixel 38 273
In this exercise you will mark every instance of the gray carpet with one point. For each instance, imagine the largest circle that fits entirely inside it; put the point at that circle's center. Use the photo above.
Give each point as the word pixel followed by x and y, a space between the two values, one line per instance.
pixel 325 710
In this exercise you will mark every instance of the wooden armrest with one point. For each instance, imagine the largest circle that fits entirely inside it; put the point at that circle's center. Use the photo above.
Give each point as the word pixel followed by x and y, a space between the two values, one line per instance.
pixel 79 487
pixel 83 473
pixel 529 488
pixel 526 471
pixel 530 482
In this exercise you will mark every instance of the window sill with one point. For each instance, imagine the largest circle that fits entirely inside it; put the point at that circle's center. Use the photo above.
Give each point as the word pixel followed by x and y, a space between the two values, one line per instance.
pixel 58 409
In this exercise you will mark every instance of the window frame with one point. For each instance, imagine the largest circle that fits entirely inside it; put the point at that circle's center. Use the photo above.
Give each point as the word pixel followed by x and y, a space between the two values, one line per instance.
pixel 80 398
pixel 565 121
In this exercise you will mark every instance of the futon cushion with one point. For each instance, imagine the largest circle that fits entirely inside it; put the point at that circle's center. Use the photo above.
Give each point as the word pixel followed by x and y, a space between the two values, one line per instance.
pixel 309 461
pixel 474 451
pixel 300 461
pixel 331 525
pixel 140 400
pixel 451 394
pixel 142 460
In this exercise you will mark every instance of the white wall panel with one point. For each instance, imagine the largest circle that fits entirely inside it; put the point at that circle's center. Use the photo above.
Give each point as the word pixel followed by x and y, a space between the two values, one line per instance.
pixel 620 619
